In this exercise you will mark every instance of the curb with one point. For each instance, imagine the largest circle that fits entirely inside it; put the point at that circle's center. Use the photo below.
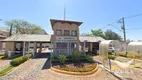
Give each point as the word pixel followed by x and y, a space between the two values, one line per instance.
pixel 75 73
pixel 14 68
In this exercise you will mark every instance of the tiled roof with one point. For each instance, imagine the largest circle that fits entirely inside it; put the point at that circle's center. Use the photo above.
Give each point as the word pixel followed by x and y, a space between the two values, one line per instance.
pixel 2 36
pixel 28 37
pixel 53 21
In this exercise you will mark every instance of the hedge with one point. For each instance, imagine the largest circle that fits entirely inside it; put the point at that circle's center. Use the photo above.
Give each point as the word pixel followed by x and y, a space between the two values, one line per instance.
pixel 68 59
pixel 19 60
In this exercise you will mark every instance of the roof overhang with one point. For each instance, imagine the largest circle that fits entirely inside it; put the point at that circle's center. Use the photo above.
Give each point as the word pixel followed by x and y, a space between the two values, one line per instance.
pixel 53 21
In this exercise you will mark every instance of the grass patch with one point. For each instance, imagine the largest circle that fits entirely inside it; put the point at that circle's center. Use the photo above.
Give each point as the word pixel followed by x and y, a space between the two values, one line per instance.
pixel 111 57
pixel 2 57
pixel 130 55
pixel 4 71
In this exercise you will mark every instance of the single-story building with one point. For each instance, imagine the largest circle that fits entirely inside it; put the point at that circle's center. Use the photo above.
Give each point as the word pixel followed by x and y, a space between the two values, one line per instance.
pixel 64 40
pixel 24 42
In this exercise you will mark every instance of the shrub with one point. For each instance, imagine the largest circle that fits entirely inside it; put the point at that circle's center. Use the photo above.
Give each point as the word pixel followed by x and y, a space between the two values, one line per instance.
pixel 1 57
pixel 110 53
pixel 123 54
pixel 111 57
pixel 6 54
pixel 62 59
pixel 19 60
pixel 89 58
pixel 76 56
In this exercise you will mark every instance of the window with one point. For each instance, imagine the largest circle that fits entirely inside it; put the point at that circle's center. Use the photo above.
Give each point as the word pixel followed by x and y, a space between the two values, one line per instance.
pixel 59 32
pixel 74 33
pixel 66 33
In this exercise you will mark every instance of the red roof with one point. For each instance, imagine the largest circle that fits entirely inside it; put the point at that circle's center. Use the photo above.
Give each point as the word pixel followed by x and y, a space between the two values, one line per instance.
pixel 2 36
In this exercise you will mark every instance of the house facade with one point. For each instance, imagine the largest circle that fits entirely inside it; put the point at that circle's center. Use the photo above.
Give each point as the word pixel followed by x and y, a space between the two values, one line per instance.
pixel 65 36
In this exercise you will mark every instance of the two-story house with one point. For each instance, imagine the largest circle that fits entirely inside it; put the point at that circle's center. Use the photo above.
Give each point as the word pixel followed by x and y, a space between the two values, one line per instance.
pixel 65 36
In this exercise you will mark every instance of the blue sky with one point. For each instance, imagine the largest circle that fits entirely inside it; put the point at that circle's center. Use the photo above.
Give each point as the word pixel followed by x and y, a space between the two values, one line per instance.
pixel 93 13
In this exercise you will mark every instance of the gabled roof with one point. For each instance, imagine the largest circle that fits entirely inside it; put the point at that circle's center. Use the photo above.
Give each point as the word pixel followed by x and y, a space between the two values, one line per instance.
pixel 53 21
pixel 2 36
pixel 90 38
pixel 29 37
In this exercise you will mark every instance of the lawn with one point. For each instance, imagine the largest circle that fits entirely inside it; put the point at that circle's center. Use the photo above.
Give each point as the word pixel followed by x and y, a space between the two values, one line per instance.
pixel 130 55
pixel 4 71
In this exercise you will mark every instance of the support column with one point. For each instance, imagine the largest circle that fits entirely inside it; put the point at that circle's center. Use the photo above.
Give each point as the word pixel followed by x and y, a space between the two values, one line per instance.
pixel 68 48
pixel 91 47
pixel 29 47
pixel 54 48
pixel 84 47
pixel 35 48
pixel 77 46
pixel 40 49
pixel 24 48
pixel 35 44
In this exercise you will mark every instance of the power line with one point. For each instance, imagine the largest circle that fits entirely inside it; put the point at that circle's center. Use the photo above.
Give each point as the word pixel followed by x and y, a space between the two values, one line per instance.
pixel 134 29
pixel 109 24
pixel 133 16
pixel 115 27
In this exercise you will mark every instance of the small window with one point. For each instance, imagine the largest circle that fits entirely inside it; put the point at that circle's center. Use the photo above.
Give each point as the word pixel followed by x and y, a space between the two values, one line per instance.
pixel 59 32
pixel 74 33
pixel 66 33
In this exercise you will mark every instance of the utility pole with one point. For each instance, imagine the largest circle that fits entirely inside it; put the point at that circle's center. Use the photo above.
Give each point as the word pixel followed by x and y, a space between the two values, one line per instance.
pixel 123 27
pixel 124 32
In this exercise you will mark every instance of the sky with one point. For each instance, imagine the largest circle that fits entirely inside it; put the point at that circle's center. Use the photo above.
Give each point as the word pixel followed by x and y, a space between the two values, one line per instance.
pixel 94 14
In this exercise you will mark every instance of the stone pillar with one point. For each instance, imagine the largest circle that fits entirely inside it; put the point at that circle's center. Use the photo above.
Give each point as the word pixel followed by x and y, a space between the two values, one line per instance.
pixel 40 49
pixel 77 46
pixel 84 45
pixel 68 48
pixel 91 47
pixel 24 48
pixel 35 48
pixel 28 47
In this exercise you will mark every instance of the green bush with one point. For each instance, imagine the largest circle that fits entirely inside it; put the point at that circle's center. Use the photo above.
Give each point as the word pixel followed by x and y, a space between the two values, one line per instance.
pixel 89 58
pixel 123 54
pixel 19 60
pixel 110 53
pixel 111 57
pixel 5 54
pixel 76 56
pixel 62 59
pixel 1 57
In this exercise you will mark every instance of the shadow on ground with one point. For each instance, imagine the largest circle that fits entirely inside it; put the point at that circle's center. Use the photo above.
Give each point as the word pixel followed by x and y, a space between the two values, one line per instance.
pixel 44 55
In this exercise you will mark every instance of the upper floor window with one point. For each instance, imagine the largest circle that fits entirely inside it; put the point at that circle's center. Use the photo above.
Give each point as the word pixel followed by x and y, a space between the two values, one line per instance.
pixel 74 33
pixel 59 32
pixel 66 33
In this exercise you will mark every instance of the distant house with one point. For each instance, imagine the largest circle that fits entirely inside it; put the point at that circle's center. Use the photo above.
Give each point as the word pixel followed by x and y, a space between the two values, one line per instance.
pixel 2 37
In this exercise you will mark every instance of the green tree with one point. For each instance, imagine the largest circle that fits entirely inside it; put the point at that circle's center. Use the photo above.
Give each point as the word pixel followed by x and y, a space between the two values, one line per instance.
pixel 98 32
pixel 23 27
pixel 110 35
